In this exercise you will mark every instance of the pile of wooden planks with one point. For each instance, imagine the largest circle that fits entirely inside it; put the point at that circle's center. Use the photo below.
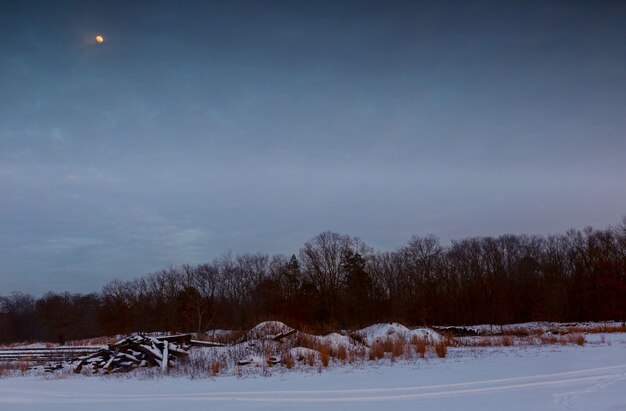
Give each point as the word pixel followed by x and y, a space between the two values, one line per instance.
pixel 135 351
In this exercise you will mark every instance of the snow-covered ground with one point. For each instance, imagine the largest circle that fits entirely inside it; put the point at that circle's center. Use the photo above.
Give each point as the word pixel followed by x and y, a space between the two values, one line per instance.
pixel 532 327
pixel 550 377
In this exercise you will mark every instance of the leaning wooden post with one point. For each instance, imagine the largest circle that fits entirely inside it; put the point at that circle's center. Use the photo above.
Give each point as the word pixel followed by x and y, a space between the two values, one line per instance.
pixel 166 355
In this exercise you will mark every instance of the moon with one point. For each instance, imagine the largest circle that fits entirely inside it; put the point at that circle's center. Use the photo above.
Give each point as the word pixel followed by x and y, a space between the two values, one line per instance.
pixel 99 39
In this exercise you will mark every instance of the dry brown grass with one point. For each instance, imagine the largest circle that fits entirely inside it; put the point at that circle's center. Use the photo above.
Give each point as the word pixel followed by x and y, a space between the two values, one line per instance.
pixel 531 339
pixel 604 329
pixel 548 339
pixel 566 339
pixel 476 342
pixel 22 366
pixel 409 353
pixel 377 351
pixel 342 354
pixel 441 348
pixel 357 354
pixel 398 348
pixel 5 368
pixel 310 359
pixel 307 341
pixel 287 360
pixel 507 341
pixel 420 345
pixel 487 341
pixel 387 344
pixel 517 331
pixel 14 366
pixel 352 356
pixel 215 368
pixel 325 351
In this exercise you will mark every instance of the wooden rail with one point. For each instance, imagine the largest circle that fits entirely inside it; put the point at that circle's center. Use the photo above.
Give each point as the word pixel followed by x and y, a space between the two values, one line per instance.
pixel 66 353
pixel 43 355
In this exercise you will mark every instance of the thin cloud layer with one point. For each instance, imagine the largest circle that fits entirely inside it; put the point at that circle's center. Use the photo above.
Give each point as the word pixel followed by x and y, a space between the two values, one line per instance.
pixel 205 127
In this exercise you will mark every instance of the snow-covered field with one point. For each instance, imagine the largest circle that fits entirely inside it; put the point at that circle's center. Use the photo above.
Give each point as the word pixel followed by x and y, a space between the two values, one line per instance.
pixel 547 377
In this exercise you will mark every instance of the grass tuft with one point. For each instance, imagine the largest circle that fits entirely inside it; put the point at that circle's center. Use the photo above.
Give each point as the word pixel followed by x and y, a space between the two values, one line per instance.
pixel 287 360
pixel 342 354
pixel 215 368
pixel 507 340
pixel 441 348
pixel 377 351
pixel 325 354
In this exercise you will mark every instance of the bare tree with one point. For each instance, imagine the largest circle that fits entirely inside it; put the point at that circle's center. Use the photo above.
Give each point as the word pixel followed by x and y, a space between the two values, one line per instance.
pixel 322 261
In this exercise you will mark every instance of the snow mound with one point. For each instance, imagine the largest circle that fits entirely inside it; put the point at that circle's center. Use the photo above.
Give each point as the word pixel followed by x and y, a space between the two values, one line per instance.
pixel 335 341
pixel 393 331
pixel 268 330
pixel 424 334
pixel 302 353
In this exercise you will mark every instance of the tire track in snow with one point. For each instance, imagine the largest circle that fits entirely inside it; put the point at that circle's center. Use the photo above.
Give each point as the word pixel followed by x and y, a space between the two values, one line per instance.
pixel 300 399
pixel 569 378
pixel 565 400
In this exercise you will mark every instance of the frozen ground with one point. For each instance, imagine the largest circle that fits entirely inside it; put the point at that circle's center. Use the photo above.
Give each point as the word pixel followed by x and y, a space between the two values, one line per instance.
pixel 552 377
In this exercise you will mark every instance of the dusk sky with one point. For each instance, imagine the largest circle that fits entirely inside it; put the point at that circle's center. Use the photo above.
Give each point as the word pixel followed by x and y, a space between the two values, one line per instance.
pixel 201 127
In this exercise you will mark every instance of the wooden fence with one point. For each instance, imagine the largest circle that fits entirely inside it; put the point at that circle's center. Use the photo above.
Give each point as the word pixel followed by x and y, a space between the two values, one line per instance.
pixel 46 354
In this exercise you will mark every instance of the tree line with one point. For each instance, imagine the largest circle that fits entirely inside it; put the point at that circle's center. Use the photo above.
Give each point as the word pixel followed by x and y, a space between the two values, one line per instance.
pixel 337 281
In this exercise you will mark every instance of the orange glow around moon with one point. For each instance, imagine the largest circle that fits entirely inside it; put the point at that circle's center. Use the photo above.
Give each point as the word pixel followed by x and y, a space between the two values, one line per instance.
pixel 99 39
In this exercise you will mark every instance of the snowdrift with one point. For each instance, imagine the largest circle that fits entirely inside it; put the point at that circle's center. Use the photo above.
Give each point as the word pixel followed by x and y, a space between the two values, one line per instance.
pixel 378 333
